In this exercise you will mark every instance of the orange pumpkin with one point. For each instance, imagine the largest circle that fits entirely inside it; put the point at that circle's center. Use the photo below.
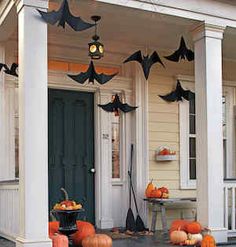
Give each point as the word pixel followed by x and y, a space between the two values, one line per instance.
pixel 97 240
pixel 149 189
pixel 208 241
pixel 84 229
pixel 53 227
pixel 59 240
pixel 156 193
pixel 178 237
pixel 178 224
pixel 193 227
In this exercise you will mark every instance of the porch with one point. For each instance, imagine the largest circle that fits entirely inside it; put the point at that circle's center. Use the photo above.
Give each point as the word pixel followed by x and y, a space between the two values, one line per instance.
pixel 156 240
pixel 153 124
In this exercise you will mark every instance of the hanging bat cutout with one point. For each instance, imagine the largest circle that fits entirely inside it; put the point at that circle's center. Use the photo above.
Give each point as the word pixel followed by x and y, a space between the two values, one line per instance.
pixel 117 105
pixel 182 53
pixel 92 75
pixel 62 16
pixel 145 61
pixel 178 94
pixel 11 70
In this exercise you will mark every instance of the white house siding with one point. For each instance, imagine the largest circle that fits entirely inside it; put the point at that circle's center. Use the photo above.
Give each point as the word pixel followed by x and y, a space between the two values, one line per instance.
pixel 164 131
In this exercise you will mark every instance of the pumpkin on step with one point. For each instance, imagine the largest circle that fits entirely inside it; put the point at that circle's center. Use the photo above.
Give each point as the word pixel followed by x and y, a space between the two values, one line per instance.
pixel 149 189
pixel 208 241
pixel 193 227
pixel 97 240
pixel 178 237
pixel 59 240
pixel 53 227
pixel 84 229
pixel 178 224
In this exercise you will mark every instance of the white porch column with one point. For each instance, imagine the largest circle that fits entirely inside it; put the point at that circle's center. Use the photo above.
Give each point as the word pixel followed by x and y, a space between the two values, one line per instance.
pixel 208 86
pixel 33 125
pixel 2 116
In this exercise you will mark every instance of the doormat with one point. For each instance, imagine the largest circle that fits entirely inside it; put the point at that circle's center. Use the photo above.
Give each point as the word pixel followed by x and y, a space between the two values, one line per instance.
pixel 117 234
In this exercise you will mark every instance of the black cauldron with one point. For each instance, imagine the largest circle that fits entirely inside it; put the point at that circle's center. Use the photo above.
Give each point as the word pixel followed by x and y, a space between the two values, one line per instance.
pixel 67 222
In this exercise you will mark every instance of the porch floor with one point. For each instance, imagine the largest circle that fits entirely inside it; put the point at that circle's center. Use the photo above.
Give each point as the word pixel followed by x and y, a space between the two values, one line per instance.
pixel 144 241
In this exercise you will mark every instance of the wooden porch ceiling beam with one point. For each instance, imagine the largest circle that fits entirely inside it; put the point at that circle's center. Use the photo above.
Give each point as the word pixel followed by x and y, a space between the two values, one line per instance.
pixel 207 12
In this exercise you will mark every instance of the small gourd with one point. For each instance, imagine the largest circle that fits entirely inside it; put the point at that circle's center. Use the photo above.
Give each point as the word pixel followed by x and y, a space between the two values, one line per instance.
pixel 190 242
pixel 59 240
pixel 197 237
pixel 208 241
pixel 97 240
pixel 178 237
pixel 149 189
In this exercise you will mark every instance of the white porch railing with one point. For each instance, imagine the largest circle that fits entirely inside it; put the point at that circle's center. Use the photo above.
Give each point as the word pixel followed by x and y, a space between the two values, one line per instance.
pixel 230 206
pixel 9 210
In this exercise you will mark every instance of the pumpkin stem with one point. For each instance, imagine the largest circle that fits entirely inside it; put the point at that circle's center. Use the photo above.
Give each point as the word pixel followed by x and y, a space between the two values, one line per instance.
pixel 65 194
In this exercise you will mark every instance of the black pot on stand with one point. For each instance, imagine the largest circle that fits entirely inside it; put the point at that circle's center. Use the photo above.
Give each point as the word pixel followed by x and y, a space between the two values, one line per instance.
pixel 67 222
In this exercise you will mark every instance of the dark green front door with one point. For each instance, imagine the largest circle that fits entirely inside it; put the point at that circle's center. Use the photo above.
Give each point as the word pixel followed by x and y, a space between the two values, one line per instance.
pixel 71 148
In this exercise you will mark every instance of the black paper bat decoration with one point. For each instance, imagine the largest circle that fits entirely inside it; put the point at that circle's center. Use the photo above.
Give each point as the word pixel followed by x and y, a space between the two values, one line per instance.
pixel 178 94
pixel 117 105
pixel 182 53
pixel 62 16
pixel 145 61
pixel 11 70
pixel 92 75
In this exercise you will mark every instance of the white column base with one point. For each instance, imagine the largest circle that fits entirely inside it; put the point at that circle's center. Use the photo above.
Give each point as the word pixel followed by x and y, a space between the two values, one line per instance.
pixel 106 224
pixel 220 234
pixel 22 242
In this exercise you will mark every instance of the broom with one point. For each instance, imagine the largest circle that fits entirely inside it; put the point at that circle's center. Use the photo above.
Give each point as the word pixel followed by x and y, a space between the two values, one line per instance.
pixel 130 221
pixel 139 224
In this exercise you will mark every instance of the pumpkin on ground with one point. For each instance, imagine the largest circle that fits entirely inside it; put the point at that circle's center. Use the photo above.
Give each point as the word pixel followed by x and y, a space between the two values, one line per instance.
pixel 178 237
pixel 59 240
pixel 53 227
pixel 84 229
pixel 193 227
pixel 197 237
pixel 190 242
pixel 178 224
pixel 208 241
pixel 149 189
pixel 97 240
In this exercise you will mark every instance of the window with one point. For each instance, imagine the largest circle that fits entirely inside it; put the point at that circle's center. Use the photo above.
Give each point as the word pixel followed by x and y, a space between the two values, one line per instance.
pixel 188 140
pixel 115 146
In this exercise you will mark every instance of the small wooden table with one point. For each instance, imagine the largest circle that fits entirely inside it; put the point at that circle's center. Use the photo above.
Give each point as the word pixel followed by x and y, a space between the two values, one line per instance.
pixel 159 202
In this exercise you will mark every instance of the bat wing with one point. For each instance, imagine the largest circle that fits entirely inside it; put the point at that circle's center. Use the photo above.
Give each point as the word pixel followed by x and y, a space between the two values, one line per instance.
pixel 190 55
pixel 127 108
pixel 174 57
pixel 188 95
pixel 107 107
pixel 77 23
pixel 2 65
pixel 80 78
pixel 154 58
pixel 52 17
pixel 137 56
pixel 103 78
pixel 147 63
pixel 171 97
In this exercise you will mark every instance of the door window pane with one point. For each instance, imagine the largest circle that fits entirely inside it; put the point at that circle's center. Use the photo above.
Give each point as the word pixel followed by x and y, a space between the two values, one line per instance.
pixel 115 146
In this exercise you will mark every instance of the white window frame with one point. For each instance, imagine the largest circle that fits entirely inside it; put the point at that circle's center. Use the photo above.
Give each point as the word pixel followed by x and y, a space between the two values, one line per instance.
pixel 185 182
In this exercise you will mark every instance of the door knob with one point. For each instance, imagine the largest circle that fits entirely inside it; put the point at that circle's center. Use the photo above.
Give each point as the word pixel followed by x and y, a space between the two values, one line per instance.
pixel 92 170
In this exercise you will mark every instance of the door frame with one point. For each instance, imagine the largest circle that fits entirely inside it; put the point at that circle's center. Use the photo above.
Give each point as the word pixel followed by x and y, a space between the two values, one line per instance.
pixel 102 139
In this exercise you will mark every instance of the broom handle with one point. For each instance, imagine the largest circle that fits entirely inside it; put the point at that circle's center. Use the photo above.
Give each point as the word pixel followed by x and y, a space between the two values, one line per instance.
pixel 130 176
pixel 129 172
pixel 132 188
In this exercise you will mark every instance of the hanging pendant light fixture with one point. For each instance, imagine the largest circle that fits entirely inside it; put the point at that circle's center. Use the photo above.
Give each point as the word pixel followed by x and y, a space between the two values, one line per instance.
pixel 96 48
